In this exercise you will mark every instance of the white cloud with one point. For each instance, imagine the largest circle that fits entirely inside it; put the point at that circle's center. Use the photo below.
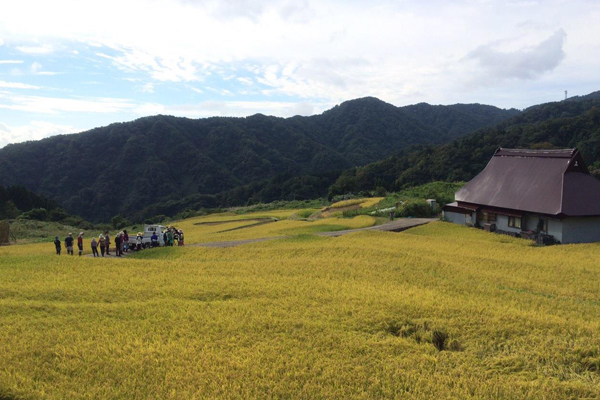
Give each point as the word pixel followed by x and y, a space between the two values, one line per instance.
pixel 54 105
pixel 234 108
pixel 44 49
pixel 306 52
pixel 37 69
pixel 35 130
pixel 11 61
pixel 17 85
pixel 1 42
pixel 147 88
pixel 525 63
pixel 246 81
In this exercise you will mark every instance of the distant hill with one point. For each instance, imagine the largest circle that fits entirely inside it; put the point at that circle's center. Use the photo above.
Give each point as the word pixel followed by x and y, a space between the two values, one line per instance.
pixel 565 124
pixel 127 167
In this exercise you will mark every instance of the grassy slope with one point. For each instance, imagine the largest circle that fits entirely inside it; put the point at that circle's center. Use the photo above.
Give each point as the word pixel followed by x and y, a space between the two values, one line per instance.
pixel 305 317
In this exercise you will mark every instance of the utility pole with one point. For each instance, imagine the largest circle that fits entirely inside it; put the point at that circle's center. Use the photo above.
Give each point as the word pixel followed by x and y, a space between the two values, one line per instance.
pixel 565 94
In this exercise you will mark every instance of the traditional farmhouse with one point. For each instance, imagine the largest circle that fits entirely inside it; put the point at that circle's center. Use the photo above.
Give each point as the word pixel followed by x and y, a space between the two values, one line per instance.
pixel 547 195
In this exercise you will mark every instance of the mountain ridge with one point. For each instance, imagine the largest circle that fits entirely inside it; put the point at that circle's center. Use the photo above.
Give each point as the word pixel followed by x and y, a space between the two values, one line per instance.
pixel 124 167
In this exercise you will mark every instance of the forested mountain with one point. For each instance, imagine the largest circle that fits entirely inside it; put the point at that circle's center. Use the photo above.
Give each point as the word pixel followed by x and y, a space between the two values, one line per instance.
pixel 566 124
pixel 127 167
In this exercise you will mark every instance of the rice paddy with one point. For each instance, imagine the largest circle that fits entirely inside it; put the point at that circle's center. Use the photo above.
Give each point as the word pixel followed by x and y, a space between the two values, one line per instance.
pixel 359 316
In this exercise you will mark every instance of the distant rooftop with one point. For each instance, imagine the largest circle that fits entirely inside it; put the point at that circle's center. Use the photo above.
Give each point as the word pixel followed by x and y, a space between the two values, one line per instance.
pixel 551 182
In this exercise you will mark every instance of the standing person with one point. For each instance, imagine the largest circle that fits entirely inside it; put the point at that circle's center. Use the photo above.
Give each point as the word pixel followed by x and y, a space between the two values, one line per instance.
pixel 118 244
pixel 392 215
pixel 165 238
pixel 69 244
pixel 122 244
pixel 95 248
pixel 154 240
pixel 125 241
pixel 80 243
pixel 107 242
pixel 58 245
pixel 102 243
pixel 181 237
pixel 169 238
pixel 139 240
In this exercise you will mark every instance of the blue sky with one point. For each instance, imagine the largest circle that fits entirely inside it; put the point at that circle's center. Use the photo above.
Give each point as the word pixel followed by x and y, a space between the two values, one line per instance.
pixel 68 66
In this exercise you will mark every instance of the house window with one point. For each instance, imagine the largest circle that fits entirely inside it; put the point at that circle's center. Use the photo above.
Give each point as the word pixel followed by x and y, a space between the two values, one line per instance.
pixel 514 222
pixel 489 217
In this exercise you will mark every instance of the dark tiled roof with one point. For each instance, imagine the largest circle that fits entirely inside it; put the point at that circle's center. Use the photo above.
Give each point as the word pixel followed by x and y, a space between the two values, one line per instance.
pixel 553 182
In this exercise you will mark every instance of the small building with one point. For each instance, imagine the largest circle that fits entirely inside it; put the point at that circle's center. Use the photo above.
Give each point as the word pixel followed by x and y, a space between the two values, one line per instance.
pixel 546 195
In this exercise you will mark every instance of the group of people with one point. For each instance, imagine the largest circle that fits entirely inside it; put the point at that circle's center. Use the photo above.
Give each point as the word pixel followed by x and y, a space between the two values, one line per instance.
pixel 121 242
pixel 172 235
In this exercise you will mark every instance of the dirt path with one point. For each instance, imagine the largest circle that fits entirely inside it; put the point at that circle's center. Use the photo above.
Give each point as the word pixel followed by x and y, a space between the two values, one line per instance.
pixel 398 225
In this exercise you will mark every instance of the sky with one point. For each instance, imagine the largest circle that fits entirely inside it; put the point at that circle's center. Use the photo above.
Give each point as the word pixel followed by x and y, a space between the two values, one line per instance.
pixel 68 66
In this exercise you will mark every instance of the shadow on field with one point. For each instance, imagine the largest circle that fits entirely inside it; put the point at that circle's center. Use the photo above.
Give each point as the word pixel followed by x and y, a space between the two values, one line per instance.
pixel 7 397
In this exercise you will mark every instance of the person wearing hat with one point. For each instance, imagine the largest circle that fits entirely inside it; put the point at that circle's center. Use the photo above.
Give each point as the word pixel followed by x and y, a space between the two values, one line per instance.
pixel 69 244
pixel 102 243
pixel 139 239
pixel 58 245
pixel 80 243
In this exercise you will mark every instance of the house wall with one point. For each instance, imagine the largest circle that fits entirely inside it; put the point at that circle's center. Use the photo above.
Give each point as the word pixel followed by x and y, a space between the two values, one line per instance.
pixel 502 224
pixel 456 218
pixel 581 230
pixel 555 226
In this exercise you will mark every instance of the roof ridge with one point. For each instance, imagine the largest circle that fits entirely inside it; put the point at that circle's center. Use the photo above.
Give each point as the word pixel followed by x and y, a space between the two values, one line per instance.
pixel 541 153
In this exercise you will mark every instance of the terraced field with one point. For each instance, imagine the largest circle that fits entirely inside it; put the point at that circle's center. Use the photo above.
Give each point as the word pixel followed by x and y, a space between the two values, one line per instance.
pixel 438 311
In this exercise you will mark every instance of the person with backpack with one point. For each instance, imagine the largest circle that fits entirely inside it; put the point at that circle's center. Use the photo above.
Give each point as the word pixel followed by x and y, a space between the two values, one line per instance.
pixel 102 243
pixel 95 248
pixel 58 245
pixel 80 243
pixel 69 244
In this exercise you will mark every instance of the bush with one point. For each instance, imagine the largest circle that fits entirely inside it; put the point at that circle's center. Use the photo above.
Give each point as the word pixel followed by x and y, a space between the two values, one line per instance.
pixel 8 210
pixel 119 222
pixel 380 191
pixel 38 214
pixel 57 215
pixel 415 208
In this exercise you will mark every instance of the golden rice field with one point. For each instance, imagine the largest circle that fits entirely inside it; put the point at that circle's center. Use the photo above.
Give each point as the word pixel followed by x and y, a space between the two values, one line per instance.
pixel 227 231
pixel 364 203
pixel 305 317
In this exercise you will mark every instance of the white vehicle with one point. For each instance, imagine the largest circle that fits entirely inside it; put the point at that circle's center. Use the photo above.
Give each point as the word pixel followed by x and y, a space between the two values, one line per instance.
pixel 149 230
